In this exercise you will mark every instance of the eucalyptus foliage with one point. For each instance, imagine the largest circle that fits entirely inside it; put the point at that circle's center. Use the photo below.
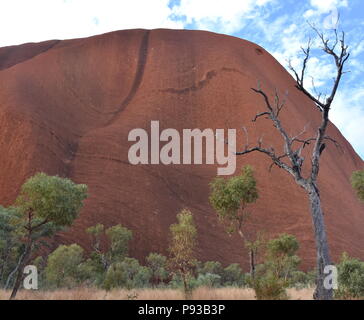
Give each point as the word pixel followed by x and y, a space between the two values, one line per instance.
pixel 357 181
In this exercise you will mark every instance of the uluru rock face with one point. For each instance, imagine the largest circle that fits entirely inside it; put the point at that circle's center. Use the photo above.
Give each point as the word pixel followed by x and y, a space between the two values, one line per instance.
pixel 66 108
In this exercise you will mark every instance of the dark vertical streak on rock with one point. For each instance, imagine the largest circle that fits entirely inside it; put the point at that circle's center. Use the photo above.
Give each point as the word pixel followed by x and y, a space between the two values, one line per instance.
pixel 142 60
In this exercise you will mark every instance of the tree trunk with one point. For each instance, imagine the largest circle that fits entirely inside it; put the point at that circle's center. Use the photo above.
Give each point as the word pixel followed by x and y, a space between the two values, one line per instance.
pixel 3 266
pixel 322 248
pixel 20 274
pixel 12 273
pixel 252 263
pixel 251 254
pixel 187 292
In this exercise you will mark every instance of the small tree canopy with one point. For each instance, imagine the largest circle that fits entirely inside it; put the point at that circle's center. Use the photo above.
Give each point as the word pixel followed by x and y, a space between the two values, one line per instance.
pixel 119 242
pixel 278 270
pixel 8 227
pixel 284 244
pixel 182 247
pixel 127 274
pixel 183 241
pixel 233 275
pixel 114 250
pixel 157 263
pixel 229 197
pixel 45 205
pixel 62 268
pixel 357 181
pixel 213 267
pixel 10 245
pixel 96 230
pixel 351 278
pixel 52 198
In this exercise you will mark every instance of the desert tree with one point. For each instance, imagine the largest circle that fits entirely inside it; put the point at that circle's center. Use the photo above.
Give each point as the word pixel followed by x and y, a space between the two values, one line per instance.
pixel 116 247
pixel 8 239
pixel 357 181
pixel 233 275
pixel 98 258
pixel 45 205
pixel 157 264
pixel 63 266
pixel 291 159
pixel 212 267
pixel 182 248
pixel 10 246
pixel 110 247
pixel 128 274
pixel 351 278
pixel 280 263
pixel 281 255
pixel 230 198
pixel 119 238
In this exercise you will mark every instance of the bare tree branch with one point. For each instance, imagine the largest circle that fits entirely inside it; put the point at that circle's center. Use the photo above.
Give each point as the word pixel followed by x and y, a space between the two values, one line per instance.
pixel 294 159
pixel 260 115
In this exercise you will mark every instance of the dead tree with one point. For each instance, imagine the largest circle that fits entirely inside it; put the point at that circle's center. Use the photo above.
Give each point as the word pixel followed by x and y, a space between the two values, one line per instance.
pixel 291 160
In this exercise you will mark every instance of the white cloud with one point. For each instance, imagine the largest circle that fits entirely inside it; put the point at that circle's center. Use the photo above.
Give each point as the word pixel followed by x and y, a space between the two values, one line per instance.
pixel 324 6
pixel 292 28
pixel 357 49
pixel 356 68
pixel 329 8
pixel 325 13
pixel 348 115
pixel 321 70
pixel 226 16
pixel 272 29
pixel 31 21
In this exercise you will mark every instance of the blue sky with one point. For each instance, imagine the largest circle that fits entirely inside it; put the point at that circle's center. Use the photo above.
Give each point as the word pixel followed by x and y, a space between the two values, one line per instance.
pixel 280 26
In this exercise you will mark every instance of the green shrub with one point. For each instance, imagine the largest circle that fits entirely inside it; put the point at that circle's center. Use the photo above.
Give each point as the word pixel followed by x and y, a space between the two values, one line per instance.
pixel 119 237
pixel 157 264
pixel 142 278
pixel 300 279
pixel 212 267
pixel 274 276
pixel 269 287
pixel 62 268
pixel 350 278
pixel 91 273
pixel 209 280
pixel 182 249
pixel 233 276
pixel 357 181
pixel 127 274
pixel 11 246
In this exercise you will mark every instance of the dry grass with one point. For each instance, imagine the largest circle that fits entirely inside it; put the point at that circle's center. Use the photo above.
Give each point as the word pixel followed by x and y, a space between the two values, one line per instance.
pixel 148 294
